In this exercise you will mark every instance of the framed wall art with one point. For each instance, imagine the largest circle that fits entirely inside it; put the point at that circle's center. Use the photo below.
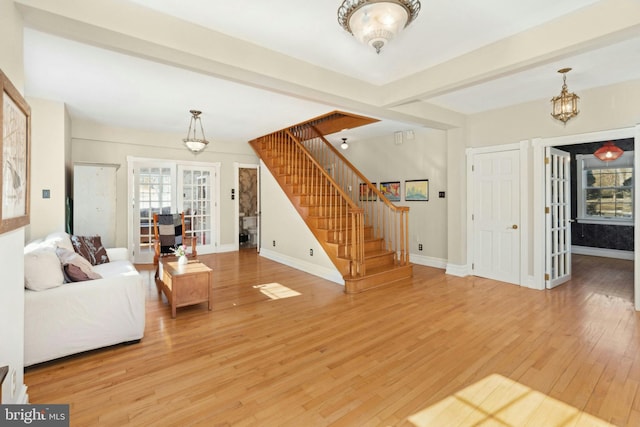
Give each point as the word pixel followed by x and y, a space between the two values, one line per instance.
pixel 391 190
pixel 416 190
pixel 15 149
pixel 366 193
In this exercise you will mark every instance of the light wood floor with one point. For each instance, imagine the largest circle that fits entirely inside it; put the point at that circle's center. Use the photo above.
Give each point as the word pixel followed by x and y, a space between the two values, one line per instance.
pixel 372 359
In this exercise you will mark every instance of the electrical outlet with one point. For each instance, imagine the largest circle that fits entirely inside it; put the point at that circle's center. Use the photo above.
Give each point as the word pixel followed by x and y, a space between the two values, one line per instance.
pixel 419 246
pixel 310 252
pixel 274 243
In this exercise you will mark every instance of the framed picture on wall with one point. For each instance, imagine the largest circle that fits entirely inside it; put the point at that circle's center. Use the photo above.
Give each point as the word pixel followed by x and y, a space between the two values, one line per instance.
pixel 15 149
pixel 391 190
pixel 366 193
pixel 416 190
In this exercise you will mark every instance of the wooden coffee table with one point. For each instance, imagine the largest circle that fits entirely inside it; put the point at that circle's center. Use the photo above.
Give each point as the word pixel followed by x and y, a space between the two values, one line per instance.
pixel 186 284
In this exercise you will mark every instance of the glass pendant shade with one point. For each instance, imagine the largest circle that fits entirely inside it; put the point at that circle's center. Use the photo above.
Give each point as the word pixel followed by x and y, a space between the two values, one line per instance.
pixel 344 144
pixel 376 22
pixel 565 105
pixel 193 142
pixel 608 152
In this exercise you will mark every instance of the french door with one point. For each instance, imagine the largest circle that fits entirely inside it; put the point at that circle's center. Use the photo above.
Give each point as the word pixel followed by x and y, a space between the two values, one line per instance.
pixel 169 187
pixel 557 217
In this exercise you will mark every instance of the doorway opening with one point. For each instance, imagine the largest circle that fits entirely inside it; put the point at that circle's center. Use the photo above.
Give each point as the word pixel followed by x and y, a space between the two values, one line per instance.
pixel 588 236
pixel 248 206
pixel 601 208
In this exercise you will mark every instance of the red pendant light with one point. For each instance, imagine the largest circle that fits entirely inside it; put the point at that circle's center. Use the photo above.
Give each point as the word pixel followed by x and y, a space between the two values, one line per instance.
pixel 608 152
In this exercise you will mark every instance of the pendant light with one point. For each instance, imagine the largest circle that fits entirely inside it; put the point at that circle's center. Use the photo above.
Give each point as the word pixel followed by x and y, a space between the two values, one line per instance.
pixel 192 141
pixel 565 105
pixel 608 152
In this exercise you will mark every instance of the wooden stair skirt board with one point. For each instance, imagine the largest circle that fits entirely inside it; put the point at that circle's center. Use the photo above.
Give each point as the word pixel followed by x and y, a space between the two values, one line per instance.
pixel 377 277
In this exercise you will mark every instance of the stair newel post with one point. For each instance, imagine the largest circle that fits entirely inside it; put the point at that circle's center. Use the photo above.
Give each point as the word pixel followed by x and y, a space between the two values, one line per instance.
pixel 404 232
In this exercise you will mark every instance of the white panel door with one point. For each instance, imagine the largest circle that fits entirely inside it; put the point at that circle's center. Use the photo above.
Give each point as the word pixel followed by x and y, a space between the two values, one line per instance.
pixel 496 215
pixel 557 217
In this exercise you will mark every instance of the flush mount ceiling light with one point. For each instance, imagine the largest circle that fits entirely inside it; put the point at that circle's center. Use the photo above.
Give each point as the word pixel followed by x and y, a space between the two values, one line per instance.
pixel 565 105
pixel 608 152
pixel 376 22
pixel 193 143
pixel 344 144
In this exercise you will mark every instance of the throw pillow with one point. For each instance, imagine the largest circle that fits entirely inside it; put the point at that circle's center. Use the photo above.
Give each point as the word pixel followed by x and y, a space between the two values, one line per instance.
pixel 90 247
pixel 59 239
pixel 42 270
pixel 75 267
pixel 74 273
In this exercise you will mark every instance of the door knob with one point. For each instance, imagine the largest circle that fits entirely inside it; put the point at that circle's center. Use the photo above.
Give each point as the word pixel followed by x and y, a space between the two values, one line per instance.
pixel 514 226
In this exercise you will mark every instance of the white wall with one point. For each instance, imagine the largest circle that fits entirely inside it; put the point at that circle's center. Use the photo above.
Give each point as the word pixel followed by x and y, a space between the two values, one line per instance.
pixel 280 222
pixel 424 157
pixel 11 258
pixel 97 143
pixel 48 171
pixel 456 202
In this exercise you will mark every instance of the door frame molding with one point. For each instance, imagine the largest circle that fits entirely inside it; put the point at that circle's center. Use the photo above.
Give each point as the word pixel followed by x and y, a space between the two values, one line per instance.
pixel 522 148
pixel 539 145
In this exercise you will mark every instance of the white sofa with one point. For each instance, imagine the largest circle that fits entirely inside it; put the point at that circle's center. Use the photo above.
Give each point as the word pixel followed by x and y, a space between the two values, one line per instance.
pixel 70 318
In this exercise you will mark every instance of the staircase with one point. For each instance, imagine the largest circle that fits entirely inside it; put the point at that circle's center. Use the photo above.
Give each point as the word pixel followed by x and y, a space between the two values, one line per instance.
pixel 364 234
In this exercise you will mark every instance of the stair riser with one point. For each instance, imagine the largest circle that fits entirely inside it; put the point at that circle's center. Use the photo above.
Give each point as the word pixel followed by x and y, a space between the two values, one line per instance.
pixel 324 200
pixel 290 178
pixel 301 189
pixel 381 279
pixel 338 236
pixel 380 261
pixel 329 223
pixel 369 245
pixel 326 210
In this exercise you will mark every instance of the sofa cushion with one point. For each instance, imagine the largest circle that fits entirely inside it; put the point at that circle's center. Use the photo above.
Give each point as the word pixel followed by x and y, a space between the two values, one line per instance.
pixel 75 267
pixel 60 239
pixel 90 247
pixel 42 269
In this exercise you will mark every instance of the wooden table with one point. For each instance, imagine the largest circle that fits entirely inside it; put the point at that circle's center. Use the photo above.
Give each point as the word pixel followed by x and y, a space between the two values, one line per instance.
pixel 186 284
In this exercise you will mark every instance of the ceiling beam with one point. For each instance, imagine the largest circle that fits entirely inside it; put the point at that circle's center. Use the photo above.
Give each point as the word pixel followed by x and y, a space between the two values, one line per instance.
pixel 597 25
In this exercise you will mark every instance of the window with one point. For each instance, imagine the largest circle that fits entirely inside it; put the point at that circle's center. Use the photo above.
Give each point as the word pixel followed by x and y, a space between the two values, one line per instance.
pixel 605 189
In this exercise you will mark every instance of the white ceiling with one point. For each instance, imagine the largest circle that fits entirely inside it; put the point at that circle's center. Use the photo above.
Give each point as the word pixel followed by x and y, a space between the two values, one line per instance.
pixel 122 90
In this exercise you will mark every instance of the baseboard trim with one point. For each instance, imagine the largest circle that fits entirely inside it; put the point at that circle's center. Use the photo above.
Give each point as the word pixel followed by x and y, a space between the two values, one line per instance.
pixel 428 261
pixel 460 270
pixel 602 252
pixel 332 275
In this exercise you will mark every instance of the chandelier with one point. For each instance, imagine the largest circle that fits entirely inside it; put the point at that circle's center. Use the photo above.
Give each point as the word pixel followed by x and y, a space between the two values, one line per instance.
pixel 565 105
pixel 376 22
pixel 608 152
pixel 193 143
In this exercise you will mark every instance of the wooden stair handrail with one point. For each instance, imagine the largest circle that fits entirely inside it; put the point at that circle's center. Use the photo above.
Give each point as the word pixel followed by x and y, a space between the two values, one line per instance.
pixel 333 182
pixel 358 173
